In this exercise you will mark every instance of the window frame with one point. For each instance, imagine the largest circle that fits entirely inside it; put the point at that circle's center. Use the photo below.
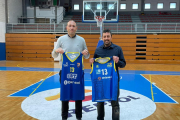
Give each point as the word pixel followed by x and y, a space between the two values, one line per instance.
pixel 74 6
pixel 170 5
pixel 145 6
pixel 137 6
pixel 120 6
pixel 100 6
pixel 88 7
pixel 112 5
pixel 162 5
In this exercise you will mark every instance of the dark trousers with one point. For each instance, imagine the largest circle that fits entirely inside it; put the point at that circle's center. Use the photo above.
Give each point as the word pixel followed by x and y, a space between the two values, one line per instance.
pixel 65 106
pixel 78 109
pixel 115 109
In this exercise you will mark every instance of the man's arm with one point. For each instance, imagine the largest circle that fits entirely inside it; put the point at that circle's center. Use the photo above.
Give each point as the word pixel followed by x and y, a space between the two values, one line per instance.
pixel 91 60
pixel 54 53
pixel 85 48
pixel 121 63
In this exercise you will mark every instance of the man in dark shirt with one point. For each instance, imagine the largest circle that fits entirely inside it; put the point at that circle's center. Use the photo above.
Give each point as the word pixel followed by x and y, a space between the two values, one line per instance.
pixel 109 49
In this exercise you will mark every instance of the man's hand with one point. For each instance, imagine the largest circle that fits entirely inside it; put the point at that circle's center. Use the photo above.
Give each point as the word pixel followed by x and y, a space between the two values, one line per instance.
pixel 91 60
pixel 59 50
pixel 85 52
pixel 116 59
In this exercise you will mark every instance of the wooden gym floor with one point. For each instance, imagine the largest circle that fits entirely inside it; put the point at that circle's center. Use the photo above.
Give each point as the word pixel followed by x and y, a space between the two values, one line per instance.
pixel 14 80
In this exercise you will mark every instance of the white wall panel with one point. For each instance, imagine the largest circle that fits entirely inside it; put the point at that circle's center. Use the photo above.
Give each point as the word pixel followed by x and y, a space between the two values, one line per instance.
pixel 2 21
pixel 14 10
pixel 45 13
pixel 2 31
pixel 2 11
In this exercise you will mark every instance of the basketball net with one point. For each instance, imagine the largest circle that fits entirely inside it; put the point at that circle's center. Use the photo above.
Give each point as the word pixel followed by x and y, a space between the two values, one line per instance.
pixel 99 20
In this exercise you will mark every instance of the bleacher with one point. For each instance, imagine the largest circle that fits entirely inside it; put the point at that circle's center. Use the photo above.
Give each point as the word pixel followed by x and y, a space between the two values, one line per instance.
pixel 160 18
pixel 127 23
pixel 125 18
pixel 162 48
pixel 77 18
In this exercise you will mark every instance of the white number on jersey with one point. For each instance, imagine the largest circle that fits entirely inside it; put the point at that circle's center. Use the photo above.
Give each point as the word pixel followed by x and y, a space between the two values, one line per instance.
pixel 104 72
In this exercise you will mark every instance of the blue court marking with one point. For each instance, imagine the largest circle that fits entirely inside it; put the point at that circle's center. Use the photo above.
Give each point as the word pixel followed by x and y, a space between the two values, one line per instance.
pixel 139 84
pixel 132 82
pixel 50 83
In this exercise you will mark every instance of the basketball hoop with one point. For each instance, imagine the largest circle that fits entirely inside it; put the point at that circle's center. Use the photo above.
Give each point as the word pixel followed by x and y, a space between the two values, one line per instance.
pixel 99 20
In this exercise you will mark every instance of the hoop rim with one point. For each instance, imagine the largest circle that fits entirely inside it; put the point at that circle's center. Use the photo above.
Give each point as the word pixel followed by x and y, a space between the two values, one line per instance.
pixel 99 18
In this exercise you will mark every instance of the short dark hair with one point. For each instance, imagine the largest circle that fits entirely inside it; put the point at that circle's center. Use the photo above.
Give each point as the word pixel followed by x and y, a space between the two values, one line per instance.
pixel 108 31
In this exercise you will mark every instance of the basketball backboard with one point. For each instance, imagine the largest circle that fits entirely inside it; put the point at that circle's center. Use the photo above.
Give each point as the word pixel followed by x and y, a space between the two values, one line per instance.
pixel 107 8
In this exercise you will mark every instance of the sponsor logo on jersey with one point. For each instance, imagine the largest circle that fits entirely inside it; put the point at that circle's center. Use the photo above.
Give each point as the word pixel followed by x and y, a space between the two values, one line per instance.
pixel 77 82
pixel 99 78
pixel 72 56
pixel 97 66
pixel 65 82
pixel 71 82
pixel 109 65
pixel 107 77
pixel 65 65
pixel 71 76
pixel 98 71
pixel 78 65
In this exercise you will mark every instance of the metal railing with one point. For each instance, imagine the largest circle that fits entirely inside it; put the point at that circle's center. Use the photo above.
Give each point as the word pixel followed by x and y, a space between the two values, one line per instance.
pixel 41 19
pixel 92 28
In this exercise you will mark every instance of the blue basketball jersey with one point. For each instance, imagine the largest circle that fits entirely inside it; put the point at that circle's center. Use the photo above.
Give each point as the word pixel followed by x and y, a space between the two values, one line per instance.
pixel 72 77
pixel 104 80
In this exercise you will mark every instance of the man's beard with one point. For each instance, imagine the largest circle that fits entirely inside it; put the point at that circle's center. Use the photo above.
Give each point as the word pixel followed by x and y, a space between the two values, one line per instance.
pixel 107 42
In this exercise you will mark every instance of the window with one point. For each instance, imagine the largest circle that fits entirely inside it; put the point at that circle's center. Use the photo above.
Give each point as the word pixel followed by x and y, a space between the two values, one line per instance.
pixel 122 6
pixel 160 6
pixel 76 6
pixel 111 6
pixel 172 5
pixel 147 6
pixel 134 6
pixel 88 6
pixel 99 6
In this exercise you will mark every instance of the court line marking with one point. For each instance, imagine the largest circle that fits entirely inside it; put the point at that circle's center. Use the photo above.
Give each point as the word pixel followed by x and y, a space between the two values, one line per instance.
pixel 163 92
pixel 40 84
pixel 22 89
pixel 88 69
pixel 152 94
pixel 26 88
pixel 177 73
pixel 30 68
pixel 90 80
